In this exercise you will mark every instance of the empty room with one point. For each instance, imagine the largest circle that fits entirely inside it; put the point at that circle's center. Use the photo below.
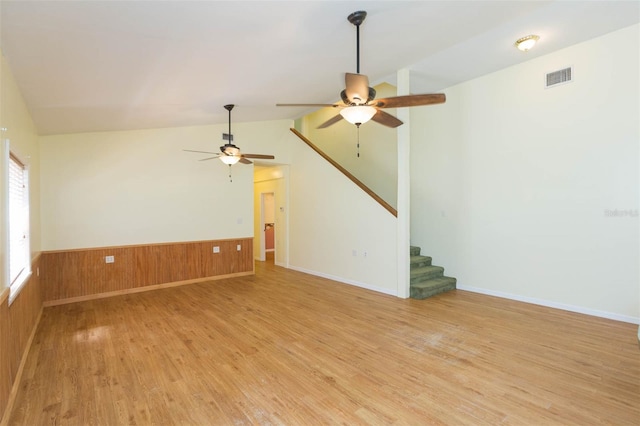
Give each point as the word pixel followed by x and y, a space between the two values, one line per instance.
pixel 320 212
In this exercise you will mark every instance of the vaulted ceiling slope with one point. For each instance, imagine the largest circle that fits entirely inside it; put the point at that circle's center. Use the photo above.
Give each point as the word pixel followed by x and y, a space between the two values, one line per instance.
pixel 119 65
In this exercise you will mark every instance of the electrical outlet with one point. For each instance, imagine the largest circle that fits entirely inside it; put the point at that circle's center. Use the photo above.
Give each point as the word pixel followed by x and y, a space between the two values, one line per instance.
pixel 364 253
pixel 238 247
pixel 109 259
pixel 216 249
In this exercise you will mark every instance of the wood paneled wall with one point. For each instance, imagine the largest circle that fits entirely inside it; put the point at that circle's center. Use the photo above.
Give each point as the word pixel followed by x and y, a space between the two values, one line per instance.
pixel 78 274
pixel 18 323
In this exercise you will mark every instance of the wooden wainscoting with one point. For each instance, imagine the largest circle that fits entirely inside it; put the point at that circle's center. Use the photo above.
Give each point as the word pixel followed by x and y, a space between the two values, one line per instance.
pixel 18 324
pixel 74 275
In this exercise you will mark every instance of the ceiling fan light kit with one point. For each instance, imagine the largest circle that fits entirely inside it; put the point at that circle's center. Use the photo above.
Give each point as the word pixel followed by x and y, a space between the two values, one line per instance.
pixel 358 114
pixel 525 43
pixel 229 159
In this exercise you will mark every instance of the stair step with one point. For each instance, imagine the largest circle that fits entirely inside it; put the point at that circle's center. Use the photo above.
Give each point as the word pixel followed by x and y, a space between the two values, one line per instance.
pixel 426 279
pixel 419 261
pixel 425 273
pixel 431 287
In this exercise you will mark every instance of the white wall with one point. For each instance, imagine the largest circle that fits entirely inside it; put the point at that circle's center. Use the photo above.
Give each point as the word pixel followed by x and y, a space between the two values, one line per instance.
pixel 512 183
pixel 138 187
pixel 330 218
pixel 23 140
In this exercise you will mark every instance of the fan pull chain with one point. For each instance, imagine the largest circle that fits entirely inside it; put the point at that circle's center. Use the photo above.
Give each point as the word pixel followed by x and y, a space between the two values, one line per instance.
pixel 230 180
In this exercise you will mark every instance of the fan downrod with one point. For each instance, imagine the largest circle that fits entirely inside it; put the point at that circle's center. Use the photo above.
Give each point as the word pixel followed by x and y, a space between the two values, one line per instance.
pixel 229 107
pixel 357 18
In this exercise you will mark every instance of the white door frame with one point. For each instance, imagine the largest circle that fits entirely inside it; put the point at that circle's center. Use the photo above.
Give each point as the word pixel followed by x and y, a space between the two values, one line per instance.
pixel 263 236
pixel 262 255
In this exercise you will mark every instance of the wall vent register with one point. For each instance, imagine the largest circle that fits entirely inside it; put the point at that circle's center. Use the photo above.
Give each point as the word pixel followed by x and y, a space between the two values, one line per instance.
pixel 559 77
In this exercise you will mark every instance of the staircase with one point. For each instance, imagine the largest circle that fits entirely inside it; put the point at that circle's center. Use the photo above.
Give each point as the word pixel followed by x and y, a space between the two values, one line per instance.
pixel 427 280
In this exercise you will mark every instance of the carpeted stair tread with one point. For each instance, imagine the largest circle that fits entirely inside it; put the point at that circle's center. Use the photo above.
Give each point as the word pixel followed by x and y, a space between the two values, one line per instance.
pixel 431 287
pixel 425 273
pixel 435 282
pixel 419 261
pixel 414 251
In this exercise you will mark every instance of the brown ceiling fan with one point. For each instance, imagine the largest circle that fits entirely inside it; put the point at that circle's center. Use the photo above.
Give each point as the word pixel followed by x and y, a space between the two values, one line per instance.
pixel 229 153
pixel 359 103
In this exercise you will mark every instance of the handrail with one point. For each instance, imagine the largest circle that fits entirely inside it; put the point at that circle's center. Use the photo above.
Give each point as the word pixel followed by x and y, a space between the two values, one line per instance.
pixel 345 172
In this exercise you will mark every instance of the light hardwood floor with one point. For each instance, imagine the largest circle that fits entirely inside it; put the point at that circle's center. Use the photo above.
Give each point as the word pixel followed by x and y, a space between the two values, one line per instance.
pixel 282 347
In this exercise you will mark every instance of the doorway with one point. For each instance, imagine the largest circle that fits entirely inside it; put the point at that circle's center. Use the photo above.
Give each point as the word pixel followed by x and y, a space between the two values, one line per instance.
pixel 270 218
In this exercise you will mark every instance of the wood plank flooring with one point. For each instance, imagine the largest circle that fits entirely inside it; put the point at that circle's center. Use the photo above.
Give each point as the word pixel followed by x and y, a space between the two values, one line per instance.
pixel 282 347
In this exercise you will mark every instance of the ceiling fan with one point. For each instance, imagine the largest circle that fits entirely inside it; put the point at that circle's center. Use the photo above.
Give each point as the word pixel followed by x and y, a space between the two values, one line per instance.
pixel 359 103
pixel 229 153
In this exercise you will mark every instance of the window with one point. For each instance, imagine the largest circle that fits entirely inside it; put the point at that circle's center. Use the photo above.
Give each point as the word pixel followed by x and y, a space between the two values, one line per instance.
pixel 19 252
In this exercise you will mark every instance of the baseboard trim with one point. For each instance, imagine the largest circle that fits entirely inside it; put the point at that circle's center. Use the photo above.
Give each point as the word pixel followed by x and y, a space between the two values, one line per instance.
pixel 551 304
pixel 344 280
pixel 143 289
pixel 16 382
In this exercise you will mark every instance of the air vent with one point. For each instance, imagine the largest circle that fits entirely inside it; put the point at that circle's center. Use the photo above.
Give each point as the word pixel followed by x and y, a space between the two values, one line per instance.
pixel 559 77
pixel 225 137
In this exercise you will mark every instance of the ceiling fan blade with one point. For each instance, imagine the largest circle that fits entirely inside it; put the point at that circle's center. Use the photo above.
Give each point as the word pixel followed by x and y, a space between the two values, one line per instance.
pixel 261 156
pixel 330 121
pixel 357 87
pixel 210 158
pixel 245 161
pixel 386 119
pixel 410 100
pixel 308 105
pixel 202 152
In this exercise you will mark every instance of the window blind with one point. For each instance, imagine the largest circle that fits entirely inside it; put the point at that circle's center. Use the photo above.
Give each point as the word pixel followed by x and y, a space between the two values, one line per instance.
pixel 18 220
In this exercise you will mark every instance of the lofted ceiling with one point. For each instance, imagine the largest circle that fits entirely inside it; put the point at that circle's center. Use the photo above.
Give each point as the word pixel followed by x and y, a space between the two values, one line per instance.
pixel 119 65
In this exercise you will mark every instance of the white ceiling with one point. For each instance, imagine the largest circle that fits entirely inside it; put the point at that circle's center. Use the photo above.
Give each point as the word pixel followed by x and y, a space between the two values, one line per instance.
pixel 117 65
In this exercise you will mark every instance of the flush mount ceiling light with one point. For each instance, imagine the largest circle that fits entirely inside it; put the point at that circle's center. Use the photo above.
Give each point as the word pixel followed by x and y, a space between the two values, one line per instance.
pixel 527 42
pixel 358 114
